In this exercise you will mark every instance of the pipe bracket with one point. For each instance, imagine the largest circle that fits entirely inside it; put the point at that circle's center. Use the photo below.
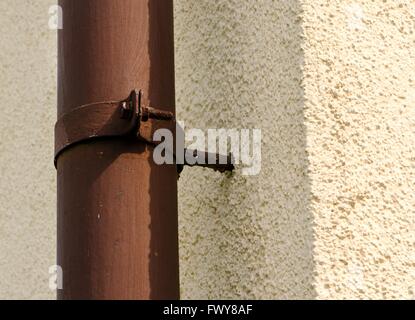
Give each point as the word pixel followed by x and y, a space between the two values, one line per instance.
pixel 124 118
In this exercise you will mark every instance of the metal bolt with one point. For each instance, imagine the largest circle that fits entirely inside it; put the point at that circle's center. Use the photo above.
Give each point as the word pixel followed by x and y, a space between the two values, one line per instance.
pixel 126 110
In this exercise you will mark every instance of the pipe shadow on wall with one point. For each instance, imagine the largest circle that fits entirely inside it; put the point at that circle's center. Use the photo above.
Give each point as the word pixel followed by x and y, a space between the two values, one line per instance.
pixel 239 65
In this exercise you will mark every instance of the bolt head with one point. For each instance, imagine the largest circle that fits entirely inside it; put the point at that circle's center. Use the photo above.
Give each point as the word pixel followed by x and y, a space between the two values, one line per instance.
pixel 126 111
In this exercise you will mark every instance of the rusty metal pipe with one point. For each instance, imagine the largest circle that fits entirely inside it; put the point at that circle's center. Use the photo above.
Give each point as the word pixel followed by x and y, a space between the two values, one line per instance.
pixel 117 210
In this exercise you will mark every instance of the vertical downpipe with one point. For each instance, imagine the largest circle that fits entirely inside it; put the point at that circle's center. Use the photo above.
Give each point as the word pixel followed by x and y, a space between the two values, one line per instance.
pixel 117 210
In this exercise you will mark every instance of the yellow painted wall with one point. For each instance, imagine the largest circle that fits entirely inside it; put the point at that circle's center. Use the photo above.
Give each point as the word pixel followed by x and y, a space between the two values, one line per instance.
pixel 331 85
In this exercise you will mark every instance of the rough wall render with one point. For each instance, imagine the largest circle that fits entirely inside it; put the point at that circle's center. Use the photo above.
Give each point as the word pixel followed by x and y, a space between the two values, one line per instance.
pixel 332 86
pixel 27 183
pixel 360 116
pixel 239 65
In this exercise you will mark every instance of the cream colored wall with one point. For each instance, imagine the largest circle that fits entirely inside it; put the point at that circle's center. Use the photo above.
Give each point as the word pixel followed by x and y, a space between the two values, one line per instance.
pixel 239 65
pixel 27 183
pixel 331 85
pixel 360 117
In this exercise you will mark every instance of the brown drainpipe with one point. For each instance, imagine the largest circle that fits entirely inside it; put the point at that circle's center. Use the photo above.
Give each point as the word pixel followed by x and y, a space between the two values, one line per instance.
pixel 117 210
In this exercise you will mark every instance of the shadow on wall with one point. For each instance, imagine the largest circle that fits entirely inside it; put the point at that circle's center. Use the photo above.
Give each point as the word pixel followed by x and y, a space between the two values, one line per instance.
pixel 163 257
pixel 239 65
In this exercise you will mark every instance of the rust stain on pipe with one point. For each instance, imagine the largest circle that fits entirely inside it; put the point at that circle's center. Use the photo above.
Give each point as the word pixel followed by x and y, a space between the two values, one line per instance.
pixel 117 210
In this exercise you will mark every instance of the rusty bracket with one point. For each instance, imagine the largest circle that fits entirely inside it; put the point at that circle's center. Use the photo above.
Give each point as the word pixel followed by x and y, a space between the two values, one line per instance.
pixel 124 118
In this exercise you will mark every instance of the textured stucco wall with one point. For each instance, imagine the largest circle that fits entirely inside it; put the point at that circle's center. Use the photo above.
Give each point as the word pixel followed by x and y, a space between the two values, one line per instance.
pixel 27 183
pixel 331 85
pixel 239 65
pixel 360 116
